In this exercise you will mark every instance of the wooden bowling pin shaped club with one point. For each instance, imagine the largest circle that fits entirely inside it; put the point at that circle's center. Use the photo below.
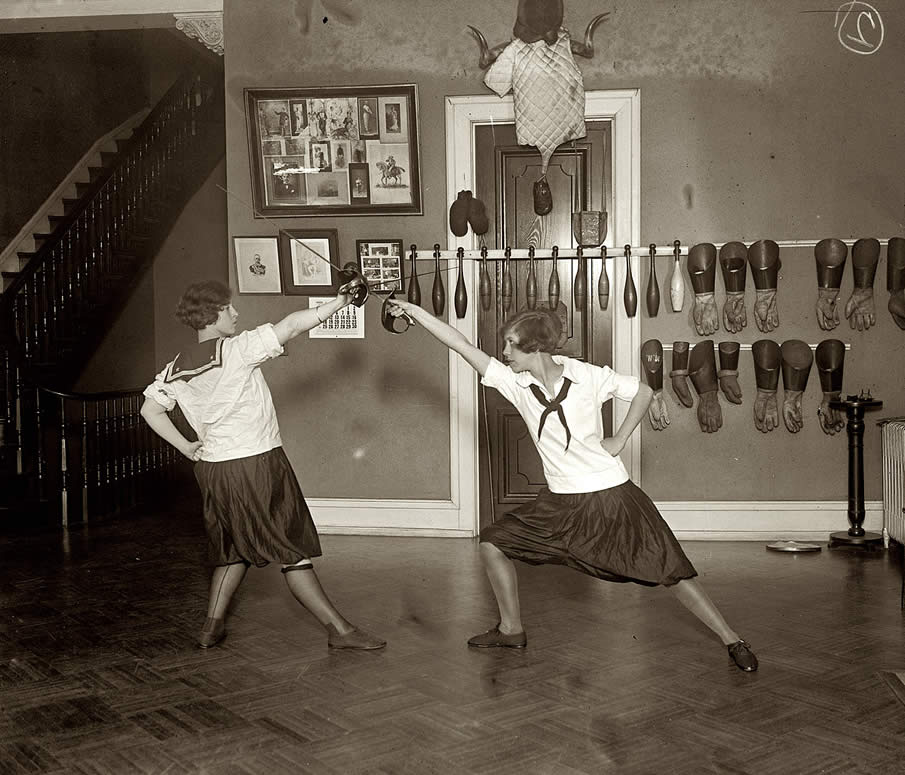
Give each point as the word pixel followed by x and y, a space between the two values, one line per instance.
pixel 629 294
pixel 580 286
pixel 439 292
pixel 414 292
pixel 460 299
pixel 531 281
pixel 653 291
pixel 603 282
pixel 677 283
pixel 506 291
pixel 486 292
pixel 553 285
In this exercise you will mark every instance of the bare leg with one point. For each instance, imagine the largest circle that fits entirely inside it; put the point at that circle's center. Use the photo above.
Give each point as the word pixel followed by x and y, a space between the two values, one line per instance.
pixel 224 583
pixel 306 588
pixel 504 581
pixel 695 599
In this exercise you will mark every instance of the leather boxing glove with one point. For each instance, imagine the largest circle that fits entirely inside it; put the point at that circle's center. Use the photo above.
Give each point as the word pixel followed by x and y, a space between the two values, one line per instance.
pixel 679 373
pixel 830 359
pixel 728 373
pixel 702 270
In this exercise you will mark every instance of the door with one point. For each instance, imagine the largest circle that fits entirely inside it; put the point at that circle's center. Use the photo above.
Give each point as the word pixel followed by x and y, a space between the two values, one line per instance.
pixel 579 178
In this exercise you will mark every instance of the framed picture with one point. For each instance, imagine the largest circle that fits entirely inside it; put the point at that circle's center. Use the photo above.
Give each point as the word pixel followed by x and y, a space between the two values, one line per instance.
pixel 258 265
pixel 381 263
pixel 306 259
pixel 341 150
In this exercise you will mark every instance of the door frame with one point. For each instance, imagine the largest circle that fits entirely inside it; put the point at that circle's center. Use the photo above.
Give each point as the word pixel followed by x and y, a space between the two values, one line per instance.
pixel 622 107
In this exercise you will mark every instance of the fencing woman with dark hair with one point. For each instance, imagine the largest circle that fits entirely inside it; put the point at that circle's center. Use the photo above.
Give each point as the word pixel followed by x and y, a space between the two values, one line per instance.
pixel 591 516
pixel 254 510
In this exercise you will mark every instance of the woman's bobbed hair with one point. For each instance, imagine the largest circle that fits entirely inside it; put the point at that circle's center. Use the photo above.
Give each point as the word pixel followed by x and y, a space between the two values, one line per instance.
pixel 536 329
pixel 201 303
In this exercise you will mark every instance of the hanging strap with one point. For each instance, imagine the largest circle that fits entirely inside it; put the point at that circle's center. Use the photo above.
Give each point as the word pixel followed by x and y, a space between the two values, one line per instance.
pixel 553 406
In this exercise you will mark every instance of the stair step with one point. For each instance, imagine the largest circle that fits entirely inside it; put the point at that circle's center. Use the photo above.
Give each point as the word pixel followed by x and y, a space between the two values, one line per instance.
pixel 69 203
pixel 82 188
pixel 108 156
pixel 24 257
pixel 56 220
pixel 95 172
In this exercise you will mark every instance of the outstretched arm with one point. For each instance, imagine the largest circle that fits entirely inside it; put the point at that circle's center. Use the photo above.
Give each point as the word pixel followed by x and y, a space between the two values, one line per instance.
pixel 302 320
pixel 156 416
pixel 455 340
pixel 636 411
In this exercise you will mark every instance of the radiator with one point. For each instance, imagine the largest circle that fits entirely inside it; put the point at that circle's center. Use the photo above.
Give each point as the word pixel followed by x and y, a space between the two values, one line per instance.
pixel 893 440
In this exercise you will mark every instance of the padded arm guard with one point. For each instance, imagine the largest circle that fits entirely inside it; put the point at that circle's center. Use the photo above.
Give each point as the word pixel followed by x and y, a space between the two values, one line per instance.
pixel 767 359
pixel 829 257
pixel 702 267
pixel 763 257
pixel 652 363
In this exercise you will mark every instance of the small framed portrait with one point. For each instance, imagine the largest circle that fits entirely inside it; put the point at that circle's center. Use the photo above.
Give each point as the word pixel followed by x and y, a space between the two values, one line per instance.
pixel 359 185
pixel 298 117
pixel 257 265
pixel 381 264
pixel 307 260
pixel 367 117
pixel 319 156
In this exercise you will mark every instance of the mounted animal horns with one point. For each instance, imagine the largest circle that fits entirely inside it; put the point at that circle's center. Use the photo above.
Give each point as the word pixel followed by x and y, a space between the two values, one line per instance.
pixel 584 49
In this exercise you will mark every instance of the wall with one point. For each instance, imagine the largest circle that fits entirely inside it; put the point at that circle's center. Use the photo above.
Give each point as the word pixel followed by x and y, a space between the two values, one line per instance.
pixel 756 123
pixel 61 92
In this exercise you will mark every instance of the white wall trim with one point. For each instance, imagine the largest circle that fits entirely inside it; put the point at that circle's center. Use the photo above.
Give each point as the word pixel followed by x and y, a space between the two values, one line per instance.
pixel 689 520
pixel 50 9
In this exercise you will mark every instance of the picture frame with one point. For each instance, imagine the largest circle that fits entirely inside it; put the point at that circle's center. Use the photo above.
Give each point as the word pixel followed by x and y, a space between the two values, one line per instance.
pixel 307 261
pixel 340 150
pixel 382 264
pixel 257 262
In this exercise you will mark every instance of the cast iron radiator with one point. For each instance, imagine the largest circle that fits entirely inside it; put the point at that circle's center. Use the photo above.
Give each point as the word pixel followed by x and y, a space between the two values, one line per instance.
pixel 893 440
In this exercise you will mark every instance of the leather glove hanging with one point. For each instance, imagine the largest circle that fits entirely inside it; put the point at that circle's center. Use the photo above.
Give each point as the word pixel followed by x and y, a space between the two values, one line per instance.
pixel 728 373
pixel 859 309
pixel 767 360
pixel 702 370
pixel 895 279
pixel 702 270
pixel 829 256
pixel 796 366
pixel 679 373
pixel 830 359
pixel 652 365
pixel 734 266
pixel 763 258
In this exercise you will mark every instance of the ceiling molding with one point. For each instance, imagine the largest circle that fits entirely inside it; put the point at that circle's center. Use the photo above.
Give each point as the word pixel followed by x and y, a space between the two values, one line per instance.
pixel 204 27
pixel 54 9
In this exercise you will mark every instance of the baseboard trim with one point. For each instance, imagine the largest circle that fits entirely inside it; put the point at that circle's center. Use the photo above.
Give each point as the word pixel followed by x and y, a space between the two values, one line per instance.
pixel 689 520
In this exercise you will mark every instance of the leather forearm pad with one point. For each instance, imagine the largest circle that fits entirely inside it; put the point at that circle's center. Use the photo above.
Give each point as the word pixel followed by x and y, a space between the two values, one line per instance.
pixel 652 363
pixel 830 362
pixel 796 364
pixel 829 256
pixel 702 367
pixel 702 267
pixel 733 265
pixel 763 256
pixel 679 359
pixel 767 359
pixel 895 264
pixel 729 357
pixel 865 256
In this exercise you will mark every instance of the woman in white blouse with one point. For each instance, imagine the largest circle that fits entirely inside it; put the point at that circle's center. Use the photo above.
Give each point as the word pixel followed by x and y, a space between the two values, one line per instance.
pixel 254 510
pixel 591 516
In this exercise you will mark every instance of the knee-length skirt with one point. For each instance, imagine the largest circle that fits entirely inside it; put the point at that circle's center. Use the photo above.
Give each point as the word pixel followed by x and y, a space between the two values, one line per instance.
pixel 254 511
pixel 615 534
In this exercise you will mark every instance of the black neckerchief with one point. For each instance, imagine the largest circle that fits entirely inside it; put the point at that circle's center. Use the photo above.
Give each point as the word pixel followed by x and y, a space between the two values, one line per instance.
pixel 553 406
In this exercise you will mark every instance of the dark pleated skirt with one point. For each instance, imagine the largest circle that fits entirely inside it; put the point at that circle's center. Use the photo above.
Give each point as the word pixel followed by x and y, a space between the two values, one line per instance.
pixel 615 534
pixel 254 511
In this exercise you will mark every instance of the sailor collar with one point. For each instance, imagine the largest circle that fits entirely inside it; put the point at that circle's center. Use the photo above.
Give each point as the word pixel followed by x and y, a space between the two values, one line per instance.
pixel 202 357
pixel 526 378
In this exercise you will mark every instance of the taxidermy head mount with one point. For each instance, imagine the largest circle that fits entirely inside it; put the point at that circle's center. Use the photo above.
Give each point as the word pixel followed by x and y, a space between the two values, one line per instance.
pixel 547 87
pixel 539 20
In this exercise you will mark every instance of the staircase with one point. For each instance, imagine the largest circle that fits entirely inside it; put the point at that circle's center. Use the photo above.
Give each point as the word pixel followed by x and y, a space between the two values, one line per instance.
pixel 63 454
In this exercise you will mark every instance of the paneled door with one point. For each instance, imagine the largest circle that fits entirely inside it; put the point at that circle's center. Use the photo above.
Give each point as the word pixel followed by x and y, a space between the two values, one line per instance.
pixel 579 178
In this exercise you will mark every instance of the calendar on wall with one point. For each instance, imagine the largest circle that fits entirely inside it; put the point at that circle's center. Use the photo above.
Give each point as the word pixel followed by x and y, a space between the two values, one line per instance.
pixel 348 323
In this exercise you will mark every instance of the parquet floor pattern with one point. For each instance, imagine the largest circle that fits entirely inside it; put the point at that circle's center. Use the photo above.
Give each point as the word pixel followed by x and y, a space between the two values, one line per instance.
pixel 99 672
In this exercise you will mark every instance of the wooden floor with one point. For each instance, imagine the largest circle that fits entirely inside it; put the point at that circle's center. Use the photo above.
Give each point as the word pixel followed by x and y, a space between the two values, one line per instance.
pixel 99 673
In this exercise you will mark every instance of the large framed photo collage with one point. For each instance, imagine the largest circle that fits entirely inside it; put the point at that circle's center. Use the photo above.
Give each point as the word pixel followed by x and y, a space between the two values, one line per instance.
pixel 350 150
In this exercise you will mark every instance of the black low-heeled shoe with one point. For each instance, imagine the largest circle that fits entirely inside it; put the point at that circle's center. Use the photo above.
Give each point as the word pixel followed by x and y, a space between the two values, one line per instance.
pixel 743 656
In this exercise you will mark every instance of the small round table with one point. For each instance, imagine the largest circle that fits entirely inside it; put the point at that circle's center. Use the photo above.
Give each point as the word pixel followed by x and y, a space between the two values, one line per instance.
pixel 854 408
